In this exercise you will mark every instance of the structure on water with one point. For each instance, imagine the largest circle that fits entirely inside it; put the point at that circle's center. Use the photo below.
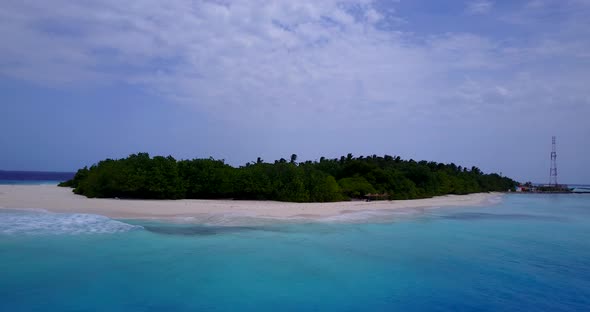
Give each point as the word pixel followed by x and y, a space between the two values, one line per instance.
pixel 553 169
pixel 553 186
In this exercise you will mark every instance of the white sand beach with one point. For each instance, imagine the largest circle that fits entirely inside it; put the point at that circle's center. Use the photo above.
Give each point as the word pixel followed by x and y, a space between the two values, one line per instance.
pixel 59 199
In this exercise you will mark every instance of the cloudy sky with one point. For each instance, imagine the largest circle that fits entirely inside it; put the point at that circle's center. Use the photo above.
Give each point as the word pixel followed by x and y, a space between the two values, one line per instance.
pixel 481 82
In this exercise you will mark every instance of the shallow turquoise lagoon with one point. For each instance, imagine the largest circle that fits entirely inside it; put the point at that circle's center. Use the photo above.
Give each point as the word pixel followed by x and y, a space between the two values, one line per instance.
pixel 526 253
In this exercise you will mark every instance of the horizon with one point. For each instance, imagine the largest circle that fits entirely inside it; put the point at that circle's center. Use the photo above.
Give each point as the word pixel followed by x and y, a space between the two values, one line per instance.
pixel 473 82
pixel 270 162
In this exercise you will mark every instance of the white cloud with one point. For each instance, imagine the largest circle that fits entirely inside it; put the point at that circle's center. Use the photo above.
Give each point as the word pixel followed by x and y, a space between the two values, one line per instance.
pixel 278 59
pixel 479 6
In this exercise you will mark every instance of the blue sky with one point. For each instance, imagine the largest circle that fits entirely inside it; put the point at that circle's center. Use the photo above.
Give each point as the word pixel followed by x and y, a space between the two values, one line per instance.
pixel 483 83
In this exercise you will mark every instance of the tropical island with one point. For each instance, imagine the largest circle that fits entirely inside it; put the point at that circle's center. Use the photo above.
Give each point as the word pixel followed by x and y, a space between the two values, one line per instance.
pixel 140 176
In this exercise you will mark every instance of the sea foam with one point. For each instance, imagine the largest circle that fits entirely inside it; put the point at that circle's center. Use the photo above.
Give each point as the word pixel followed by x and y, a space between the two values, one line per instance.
pixel 39 222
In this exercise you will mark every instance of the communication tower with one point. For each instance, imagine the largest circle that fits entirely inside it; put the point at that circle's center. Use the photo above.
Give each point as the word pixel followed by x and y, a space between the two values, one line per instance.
pixel 553 170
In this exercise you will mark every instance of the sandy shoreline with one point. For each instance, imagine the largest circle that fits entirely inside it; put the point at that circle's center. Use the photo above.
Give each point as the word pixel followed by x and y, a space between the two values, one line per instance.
pixel 58 199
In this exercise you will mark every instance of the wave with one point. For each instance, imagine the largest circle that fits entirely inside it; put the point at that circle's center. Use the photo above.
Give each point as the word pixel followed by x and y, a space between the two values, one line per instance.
pixel 495 200
pixel 39 222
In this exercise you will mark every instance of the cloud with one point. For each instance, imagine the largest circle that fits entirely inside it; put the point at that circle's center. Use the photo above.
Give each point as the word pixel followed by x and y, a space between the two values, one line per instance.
pixel 479 7
pixel 286 62
pixel 536 4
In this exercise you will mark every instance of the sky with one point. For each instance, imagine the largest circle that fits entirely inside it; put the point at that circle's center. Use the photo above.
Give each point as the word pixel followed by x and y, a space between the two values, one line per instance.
pixel 478 83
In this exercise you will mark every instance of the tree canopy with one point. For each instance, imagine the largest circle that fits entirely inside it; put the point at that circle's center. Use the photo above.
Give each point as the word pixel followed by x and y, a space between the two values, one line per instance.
pixel 326 180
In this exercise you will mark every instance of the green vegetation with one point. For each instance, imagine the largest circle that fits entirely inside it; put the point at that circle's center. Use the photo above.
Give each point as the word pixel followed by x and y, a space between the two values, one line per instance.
pixel 140 176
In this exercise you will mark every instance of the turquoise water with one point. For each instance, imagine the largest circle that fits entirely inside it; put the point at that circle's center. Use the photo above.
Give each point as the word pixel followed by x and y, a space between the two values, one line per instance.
pixel 526 253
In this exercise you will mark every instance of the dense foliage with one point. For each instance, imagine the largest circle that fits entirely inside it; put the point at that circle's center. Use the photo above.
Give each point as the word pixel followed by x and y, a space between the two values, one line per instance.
pixel 140 176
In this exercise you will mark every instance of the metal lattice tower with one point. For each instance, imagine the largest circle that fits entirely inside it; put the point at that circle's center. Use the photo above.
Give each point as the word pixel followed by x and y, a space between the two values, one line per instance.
pixel 553 170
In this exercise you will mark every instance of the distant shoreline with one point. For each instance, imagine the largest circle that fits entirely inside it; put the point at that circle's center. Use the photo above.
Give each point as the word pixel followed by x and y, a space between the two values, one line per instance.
pixel 58 199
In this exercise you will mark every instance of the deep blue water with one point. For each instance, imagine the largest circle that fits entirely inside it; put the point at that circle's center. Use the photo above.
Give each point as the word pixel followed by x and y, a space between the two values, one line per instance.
pixel 33 177
pixel 526 253
pixel 29 182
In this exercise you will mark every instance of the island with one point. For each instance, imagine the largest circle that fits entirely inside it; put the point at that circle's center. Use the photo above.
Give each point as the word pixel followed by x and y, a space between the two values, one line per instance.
pixel 140 176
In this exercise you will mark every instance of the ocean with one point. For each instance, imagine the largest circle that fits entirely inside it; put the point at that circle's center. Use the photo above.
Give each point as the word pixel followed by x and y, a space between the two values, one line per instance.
pixel 33 177
pixel 525 252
